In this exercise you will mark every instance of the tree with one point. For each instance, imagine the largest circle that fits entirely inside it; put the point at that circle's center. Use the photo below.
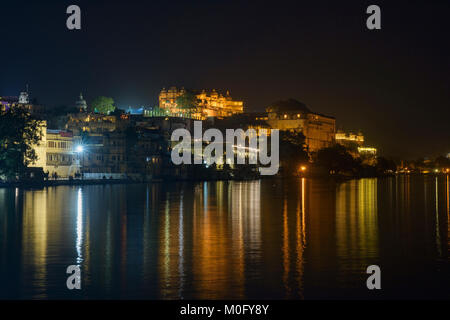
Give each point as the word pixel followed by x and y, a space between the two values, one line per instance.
pixel 292 151
pixel 188 102
pixel 337 160
pixel 103 105
pixel 385 165
pixel 118 112
pixel 442 162
pixel 19 133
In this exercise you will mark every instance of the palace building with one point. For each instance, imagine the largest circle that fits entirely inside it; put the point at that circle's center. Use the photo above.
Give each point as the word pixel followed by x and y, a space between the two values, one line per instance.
pixel 207 104
pixel 7 103
pixel 23 100
pixel 354 142
pixel 350 139
pixel 56 153
pixel 319 130
pixel 92 123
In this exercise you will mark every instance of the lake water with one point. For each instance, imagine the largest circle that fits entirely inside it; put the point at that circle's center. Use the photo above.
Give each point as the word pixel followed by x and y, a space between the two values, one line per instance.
pixel 278 239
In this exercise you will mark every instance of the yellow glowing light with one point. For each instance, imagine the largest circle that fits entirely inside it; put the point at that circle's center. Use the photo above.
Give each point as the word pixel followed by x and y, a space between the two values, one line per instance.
pixel 285 116
pixel 367 150
pixel 303 168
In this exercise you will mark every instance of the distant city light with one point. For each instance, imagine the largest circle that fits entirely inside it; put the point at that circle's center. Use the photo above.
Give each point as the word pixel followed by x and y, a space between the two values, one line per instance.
pixel 79 149
pixel 303 168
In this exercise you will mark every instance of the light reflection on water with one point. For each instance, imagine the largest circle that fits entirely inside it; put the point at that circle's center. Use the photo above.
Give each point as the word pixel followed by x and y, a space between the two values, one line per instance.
pixel 216 240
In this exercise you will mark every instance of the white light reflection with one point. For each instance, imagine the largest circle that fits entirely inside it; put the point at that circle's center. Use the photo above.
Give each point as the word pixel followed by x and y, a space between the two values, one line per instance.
pixel 79 225
pixel 16 199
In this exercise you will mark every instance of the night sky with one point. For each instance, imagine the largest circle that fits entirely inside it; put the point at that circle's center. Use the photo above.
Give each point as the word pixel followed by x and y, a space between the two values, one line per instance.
pixel 393 83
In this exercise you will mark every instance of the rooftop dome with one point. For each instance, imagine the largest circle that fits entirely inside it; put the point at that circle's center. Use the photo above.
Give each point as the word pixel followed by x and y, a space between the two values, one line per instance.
pixel 290 105
pixel 81 103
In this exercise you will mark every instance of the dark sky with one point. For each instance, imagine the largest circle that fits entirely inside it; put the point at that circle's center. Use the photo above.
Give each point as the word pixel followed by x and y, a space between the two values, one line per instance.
pixel 393 84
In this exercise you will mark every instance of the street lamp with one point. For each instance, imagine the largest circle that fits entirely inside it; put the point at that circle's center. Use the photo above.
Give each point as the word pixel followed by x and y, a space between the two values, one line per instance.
pixel 302 169
pixel 79 149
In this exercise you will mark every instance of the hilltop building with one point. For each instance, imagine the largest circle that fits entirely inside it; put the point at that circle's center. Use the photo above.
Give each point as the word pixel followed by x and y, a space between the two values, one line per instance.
pixel 7 103
pixel 92 123
pixel 349 139
pixel 355 143
pixel 23 100
pixel 207 104
pixel 319 129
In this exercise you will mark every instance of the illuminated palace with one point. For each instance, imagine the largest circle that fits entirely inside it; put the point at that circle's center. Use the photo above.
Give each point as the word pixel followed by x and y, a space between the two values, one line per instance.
pixel 55 152
pixel 355 144
pixel 349 139
pixel 319 130
pixel 208 104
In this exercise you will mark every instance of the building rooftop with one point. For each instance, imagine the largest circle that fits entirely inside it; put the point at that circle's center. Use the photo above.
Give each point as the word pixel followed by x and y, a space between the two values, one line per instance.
pixel 290 105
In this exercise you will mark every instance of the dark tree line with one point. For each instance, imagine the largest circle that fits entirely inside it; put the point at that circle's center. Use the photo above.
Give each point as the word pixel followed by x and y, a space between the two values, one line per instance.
pixel 338 160
pixel 19 133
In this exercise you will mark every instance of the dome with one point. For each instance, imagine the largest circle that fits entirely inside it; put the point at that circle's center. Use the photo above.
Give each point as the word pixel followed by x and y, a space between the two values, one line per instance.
pixel 289 106
pixel 81 103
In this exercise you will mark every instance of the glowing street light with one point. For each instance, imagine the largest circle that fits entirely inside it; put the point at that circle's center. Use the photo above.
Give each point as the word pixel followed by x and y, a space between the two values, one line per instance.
pixel 79 149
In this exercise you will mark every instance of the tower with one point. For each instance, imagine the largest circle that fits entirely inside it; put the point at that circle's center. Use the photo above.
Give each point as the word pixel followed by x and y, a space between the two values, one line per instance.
pixel 81 103
pixel 23 97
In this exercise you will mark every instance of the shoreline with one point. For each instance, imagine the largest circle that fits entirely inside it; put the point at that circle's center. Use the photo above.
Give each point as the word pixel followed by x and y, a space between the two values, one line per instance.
pixel 76 182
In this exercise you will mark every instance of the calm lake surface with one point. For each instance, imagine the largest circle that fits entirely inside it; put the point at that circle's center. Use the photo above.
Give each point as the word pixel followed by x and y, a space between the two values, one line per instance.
pixel 278 239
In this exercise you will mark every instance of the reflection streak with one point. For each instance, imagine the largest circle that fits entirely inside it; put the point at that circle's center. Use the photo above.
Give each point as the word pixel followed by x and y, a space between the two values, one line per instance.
pixel 79 226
